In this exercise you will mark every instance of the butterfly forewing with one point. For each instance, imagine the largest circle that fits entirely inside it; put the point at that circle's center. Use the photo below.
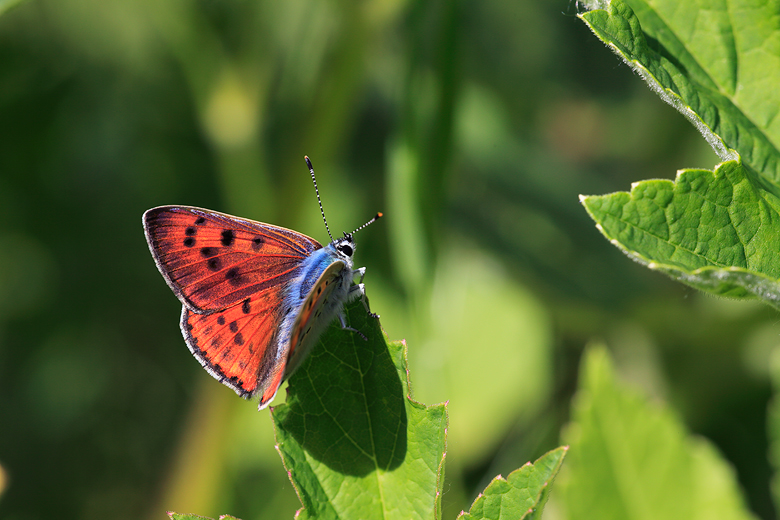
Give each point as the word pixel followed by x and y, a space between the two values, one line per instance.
pixel 237 345
pixel 213 261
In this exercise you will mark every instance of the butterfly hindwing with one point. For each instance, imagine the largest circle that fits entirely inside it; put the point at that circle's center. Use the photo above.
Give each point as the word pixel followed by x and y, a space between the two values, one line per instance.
pixel 213 261
pixel 237 345
pixel 316 312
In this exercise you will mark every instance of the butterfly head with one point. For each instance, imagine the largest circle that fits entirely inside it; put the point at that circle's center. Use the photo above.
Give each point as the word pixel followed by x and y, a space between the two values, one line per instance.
pixel 345 246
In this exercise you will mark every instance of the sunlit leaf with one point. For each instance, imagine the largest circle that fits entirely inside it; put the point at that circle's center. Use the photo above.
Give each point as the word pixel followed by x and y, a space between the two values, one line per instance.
pixel 719 70
pixel 522 494
pixel 716 232
pixel 630 459
pixel 355 444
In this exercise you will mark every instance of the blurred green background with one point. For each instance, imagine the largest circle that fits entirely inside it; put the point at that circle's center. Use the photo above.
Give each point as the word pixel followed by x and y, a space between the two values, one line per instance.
pixel 472 125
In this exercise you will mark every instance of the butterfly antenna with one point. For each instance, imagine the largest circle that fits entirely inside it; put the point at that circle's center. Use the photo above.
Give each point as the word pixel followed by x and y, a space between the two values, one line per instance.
pixel 376 217
pixel 311 170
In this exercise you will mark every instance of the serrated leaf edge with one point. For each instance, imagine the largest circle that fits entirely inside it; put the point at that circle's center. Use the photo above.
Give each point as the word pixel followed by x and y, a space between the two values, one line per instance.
pixel 442 460
pixel 499 478
pixel 408 397
pixel 666 94
pixel 759 285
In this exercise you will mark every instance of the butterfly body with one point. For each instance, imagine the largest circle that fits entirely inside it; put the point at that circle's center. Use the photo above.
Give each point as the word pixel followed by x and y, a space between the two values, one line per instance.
pixel 325 285
pixel 255 296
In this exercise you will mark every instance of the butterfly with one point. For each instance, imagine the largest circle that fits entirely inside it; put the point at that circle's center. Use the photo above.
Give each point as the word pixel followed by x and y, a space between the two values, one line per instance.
pixel 255 297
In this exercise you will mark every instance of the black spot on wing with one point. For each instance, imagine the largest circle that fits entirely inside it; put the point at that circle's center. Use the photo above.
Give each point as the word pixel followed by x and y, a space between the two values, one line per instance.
pixel 189 231
pixel 233 326
pixel 257 243
pixel 232 275
pixel 214 264
pixel 221 320
pixel 200 220
pixel 245 306
pixel 228 237
pixel 208 252
pixel 238 339
pixel 189 241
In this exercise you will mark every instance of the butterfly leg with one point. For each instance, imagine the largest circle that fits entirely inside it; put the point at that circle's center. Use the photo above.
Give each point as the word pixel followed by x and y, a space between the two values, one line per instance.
pixel 361 288
pixel 365 304
pixel 344 326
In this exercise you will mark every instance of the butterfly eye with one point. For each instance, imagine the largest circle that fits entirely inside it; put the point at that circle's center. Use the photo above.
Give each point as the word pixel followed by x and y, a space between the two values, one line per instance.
pixel 346 249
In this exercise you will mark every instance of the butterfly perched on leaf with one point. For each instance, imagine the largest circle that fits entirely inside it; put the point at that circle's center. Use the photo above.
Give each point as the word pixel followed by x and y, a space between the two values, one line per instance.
pixel 255 296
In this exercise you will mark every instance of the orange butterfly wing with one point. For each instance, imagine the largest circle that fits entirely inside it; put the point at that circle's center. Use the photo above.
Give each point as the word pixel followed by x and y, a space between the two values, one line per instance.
pixel 230 273
pixel 237 347
pixel 213 261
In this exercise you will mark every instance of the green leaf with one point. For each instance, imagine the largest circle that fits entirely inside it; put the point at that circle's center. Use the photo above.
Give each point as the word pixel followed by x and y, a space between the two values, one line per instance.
pixel 354 442
pixel 718 232
pixel 717 63
pixel 521 495
pixel 630 459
